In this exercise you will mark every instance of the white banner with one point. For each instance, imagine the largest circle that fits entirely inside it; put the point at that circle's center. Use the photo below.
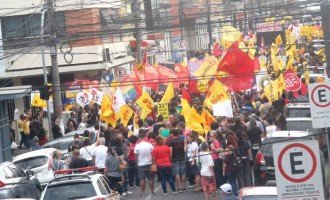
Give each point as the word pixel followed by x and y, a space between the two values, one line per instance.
pixel 97 96
pixel 223 108
pixel 84 98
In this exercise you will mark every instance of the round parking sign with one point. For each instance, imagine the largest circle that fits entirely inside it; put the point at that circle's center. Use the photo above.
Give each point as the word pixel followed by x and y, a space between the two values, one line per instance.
pixel 120 72
pixel 181 44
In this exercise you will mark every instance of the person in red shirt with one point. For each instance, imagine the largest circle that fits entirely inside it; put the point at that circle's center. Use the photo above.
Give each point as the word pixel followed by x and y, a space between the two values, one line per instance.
pixel 162 156
pixel 132 166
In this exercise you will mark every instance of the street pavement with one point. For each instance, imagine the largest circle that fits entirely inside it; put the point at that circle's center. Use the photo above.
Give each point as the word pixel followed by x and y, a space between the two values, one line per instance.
pixel 188 195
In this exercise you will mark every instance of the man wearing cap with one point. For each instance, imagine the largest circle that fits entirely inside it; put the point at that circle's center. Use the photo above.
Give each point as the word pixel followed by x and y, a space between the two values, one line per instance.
pixel 226 190
pixel 76 161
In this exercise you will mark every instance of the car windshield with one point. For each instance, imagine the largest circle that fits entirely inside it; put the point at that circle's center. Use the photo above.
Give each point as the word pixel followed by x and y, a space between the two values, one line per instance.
pixel 298 112
pixel 30 163
pixel 260 198
pixel 267 145
pixel 301 126
pixel 70 191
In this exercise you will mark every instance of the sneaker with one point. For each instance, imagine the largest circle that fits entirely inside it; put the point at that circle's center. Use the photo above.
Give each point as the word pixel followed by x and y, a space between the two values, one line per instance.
pixel 124 194
pixel 175 192
pixel 184 190
pixel 191 186
pixel 129 192
pixel 165 194
pixel 179 190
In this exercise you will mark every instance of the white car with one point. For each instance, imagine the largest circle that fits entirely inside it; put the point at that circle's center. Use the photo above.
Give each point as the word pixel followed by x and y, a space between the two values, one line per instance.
pixel 256 193
pixel 79 186
pixel 37 161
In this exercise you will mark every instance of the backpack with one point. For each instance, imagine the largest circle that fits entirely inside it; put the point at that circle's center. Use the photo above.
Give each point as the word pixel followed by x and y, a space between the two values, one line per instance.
pixel 236 160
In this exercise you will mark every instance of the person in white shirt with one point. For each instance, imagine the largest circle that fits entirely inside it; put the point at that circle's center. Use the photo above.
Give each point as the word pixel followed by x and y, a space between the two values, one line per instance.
pixel 207 171
pixel 140 124
pixel 143 159
pixel 82 124
pixel 100 154
pixel 191 148
pixel 87 151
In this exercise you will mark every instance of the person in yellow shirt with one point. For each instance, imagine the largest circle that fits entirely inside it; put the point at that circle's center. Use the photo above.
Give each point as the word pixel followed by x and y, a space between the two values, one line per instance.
pixel 20 128
pixel 26 128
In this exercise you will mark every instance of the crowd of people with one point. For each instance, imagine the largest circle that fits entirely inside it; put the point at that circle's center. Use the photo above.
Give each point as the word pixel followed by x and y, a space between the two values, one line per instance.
pixel 166 149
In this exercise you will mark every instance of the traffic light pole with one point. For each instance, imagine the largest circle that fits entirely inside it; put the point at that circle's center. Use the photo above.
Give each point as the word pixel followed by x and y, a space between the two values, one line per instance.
pixel 57 101
pixel 43 11
pixel 138 34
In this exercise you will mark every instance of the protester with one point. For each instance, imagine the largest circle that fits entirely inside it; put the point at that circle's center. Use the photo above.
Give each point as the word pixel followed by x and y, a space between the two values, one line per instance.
pixel 100 154
pixel 255 136
pixel 56 163
pixel 132 166
pixel 215 149
pixel 178 160
pixel 21 130
pixel 191 148
pixel 228 164
pixel 207 171
pixel 159 124
pixel 162 158
pixel 143 158
pixel 227 192
pixel 111 170
pixel 77 161
pixel 56 129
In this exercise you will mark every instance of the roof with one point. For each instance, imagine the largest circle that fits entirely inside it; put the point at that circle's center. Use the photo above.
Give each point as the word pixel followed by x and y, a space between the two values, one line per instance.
pixel 14 92
pixel 41 152
pixel 254 191
pixel 71 178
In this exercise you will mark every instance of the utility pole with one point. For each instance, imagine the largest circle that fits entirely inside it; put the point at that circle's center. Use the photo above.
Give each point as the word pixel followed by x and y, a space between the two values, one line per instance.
pixel 43 11
pixel 57 100
pixel 138 35
pixel 209 28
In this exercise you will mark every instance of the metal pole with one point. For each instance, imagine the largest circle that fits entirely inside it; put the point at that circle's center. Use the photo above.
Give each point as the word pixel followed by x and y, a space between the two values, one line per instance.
pixel 53 55
pixel 138 30
pixel 44 68
pixel 209 28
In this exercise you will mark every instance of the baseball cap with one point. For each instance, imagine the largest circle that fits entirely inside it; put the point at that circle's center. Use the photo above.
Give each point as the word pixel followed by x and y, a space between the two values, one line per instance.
pixel 226 188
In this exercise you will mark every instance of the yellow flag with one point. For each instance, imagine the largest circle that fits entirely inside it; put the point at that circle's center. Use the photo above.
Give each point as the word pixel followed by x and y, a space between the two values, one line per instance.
pixel 229 36
pixel 194 122
pixel 206 71
pixel 207 120
pixel 271 91
pixel 111 119
pixel 38 102
pixel 169 94
pixel 135 122
pixel 217 93
pixel 278 40
pixel 186 109
pixel 145 101
pixel 126 113
pixel 281 84
pixel 106 107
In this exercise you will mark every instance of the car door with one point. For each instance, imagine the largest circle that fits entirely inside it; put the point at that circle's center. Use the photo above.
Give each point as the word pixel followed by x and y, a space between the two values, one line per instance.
pixel 24 187
pixel 110 194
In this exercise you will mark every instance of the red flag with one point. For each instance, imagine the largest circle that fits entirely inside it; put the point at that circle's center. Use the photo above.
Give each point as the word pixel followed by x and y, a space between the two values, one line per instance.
pixel 145 57
pixel 185 94
pixel 216 50
pixel 240 68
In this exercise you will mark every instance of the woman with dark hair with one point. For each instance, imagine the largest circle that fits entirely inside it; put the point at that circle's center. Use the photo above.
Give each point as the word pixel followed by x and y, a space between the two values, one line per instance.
pixel 132 166
pixel 228 162
pixel 111 169
pixel 215 149
pixel 244 178
pixel 161 156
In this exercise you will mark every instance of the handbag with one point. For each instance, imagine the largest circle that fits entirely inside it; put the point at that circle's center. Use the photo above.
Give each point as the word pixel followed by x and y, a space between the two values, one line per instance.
pixel 122 166
pixel 237 162
pixel 13 145
pixel 153 168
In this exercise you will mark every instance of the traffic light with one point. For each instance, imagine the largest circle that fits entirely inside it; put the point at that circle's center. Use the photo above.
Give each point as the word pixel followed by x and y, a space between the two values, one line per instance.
pixel 45 92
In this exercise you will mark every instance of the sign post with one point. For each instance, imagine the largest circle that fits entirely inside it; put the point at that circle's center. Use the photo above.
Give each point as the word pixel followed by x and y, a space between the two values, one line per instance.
pixel 319 98
pixel 298 174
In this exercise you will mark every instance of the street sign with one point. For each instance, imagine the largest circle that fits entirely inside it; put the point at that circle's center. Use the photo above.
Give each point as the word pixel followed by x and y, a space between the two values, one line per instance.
pixel 120 72
pixel 298 170
pixel 319 98
pixel 181 44
pixel 159 50
pixel 108 78
pixel 139 67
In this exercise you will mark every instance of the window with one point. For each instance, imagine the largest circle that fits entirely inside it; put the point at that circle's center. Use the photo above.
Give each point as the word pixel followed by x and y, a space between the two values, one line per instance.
pixel 33 162
pixel 106 185
pixel 8 173
pixel 73 190
pixel 17 171
pixel 101 187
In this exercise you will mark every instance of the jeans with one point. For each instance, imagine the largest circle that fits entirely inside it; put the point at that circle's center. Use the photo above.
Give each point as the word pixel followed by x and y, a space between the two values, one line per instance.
pixel 190 175
pixel 219 179
pixel 115 184
pixel 26 141
pixel 166 174
pixel 231 178
pixel 133 173
pixel 244 178
pixel 125 184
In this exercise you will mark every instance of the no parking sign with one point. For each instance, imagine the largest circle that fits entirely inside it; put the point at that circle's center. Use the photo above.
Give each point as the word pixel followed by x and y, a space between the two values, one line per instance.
pixel 298 170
